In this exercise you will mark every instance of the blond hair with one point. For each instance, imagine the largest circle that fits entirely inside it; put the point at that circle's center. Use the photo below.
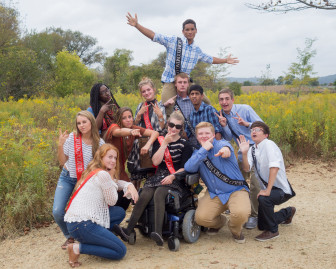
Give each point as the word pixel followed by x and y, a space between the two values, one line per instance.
pixel 146 81
pixel 94 129
pixel 205 124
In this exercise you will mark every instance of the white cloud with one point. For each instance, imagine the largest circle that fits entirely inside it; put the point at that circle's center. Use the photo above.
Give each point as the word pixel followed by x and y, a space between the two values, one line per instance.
pixel 255 38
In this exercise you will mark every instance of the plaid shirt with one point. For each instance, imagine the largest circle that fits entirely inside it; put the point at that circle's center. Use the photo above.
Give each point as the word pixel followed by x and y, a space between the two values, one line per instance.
pixel 185 104
pixel 191 54
pixel 204 113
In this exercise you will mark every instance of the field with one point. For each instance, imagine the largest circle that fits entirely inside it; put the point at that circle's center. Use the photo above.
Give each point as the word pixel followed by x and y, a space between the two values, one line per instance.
pixel 303 126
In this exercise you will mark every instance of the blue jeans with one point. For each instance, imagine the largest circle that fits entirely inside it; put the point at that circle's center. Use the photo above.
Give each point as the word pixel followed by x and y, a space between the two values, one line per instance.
pixel 63 191
pixel 97 240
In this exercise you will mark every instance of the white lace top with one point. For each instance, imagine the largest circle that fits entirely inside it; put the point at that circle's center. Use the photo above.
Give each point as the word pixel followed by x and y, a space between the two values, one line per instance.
pixel 92 201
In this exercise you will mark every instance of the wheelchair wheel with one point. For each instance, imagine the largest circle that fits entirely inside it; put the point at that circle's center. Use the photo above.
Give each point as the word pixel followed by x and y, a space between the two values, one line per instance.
pixel 190 229
pixel 173 243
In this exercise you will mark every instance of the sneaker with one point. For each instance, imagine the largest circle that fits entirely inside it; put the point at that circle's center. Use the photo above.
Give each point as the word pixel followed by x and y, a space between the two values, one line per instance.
pixel 122 232
pixel 239 239
pixel 251 223
pixel 157 238
pixel 266 235
pixel 212 231
pixel 289 220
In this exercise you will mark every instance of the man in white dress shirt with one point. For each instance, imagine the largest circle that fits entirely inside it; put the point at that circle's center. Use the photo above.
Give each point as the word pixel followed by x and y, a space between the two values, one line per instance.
pixel 266 157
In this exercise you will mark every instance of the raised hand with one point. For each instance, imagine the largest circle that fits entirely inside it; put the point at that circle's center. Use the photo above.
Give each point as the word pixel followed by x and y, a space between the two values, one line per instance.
pixel 62 137
pixel 168 139
pixel 241 121
pixel 132 21
pixel 224 152
pixel 243 144
pixel 143 109
pixel 231 60
pixel 208 144
pixel 106 107
pixel 157 110
pixel 170 101
pixel 221 118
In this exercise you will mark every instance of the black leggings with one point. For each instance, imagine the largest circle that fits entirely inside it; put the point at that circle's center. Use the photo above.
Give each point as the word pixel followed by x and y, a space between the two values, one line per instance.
pixel 146 196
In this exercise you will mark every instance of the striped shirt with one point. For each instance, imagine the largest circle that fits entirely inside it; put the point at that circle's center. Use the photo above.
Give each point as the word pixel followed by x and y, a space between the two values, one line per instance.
pixel 191 54
pixel 69 151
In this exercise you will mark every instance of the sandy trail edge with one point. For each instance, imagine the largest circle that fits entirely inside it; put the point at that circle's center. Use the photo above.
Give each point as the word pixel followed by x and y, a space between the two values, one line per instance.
pixel 308 243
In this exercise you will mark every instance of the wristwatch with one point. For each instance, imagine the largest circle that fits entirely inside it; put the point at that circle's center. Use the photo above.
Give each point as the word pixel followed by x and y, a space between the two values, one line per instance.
pixel 161 120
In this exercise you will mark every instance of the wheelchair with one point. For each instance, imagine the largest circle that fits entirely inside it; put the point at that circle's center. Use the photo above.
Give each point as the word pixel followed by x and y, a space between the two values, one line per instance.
pixel 178 218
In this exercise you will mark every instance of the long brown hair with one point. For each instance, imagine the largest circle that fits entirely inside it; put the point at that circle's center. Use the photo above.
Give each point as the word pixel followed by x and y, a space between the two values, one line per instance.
pixel 97 162
pixel 94 130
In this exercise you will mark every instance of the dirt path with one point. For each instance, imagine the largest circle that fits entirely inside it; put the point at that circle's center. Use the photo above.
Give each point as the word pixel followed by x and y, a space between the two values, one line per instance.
pixel 308 243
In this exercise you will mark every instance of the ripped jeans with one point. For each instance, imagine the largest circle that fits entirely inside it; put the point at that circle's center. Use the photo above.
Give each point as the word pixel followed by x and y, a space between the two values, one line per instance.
pixel 64 189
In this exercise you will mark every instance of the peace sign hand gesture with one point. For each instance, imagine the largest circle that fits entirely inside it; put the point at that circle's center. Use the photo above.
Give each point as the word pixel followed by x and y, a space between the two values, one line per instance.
pixel 241 121
pixel 221 118
pixel 157 110
pixel 62 137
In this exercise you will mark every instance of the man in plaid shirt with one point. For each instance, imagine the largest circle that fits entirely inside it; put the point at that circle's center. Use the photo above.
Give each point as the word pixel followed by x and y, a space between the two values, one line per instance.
pixel 191 53
pixel 201 112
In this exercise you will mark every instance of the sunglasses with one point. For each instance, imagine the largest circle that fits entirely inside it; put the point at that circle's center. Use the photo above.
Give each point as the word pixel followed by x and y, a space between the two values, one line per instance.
pixel 177 126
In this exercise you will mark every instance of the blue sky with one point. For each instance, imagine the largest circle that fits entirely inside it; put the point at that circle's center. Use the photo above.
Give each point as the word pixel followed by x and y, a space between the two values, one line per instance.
pixel 256 38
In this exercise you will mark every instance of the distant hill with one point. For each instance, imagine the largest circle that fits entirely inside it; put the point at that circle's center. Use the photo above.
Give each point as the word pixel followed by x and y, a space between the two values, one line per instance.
pixel 322 80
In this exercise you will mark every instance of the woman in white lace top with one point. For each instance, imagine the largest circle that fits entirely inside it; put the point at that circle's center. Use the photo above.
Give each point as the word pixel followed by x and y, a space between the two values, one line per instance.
pixel 91 212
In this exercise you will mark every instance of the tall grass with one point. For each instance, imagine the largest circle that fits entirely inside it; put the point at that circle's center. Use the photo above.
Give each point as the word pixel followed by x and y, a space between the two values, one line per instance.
pixel 304 126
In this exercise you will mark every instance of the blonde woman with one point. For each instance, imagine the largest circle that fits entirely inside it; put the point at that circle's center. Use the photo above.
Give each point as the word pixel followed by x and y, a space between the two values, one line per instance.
pixel 75 151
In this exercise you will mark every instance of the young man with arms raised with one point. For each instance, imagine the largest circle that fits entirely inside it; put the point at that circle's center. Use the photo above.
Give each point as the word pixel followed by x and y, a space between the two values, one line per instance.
pixel 186 49
pixel 201 112
pixel 236 120
pixel 268 162
pixel 226 187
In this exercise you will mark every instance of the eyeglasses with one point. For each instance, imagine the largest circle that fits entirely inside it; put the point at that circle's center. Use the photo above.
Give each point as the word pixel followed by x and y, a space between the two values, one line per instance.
pixel 177 126
pixel 257 130
pixel 106 91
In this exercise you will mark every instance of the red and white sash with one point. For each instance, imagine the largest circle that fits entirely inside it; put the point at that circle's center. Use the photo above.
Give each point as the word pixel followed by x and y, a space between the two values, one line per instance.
pixel 78 156
pixel 167 156
pixel 146 118
pixel 81 186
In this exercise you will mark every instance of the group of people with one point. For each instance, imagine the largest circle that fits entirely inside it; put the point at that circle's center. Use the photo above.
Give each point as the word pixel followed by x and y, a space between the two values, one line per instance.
pixel 182 132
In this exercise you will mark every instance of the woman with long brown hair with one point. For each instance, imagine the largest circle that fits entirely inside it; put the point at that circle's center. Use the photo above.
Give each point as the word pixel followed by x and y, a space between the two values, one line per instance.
pixel 75 151
pixel 92 213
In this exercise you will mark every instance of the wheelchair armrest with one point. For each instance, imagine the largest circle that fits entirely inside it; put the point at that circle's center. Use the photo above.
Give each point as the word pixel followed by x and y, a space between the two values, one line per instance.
pixel 176 196
pixel 192 179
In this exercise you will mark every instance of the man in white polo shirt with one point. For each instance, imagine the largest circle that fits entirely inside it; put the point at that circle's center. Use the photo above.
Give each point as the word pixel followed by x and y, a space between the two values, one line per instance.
pixel 266 157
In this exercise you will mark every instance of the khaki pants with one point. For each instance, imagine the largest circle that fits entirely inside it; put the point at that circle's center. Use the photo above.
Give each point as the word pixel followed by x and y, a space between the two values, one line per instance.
pixel 251 178
pixel 209 211
pixel 169 91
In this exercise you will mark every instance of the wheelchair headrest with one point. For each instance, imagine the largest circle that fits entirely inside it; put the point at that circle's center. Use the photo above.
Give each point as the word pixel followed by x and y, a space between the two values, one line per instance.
pixel 192 179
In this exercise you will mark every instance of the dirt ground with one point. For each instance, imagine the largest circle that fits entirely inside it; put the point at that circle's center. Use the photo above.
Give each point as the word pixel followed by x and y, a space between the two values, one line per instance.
pixel 308 243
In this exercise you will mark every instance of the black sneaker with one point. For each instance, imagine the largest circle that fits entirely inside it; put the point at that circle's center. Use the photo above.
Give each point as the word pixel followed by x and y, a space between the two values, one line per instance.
pixel 157 238
pixel 122 232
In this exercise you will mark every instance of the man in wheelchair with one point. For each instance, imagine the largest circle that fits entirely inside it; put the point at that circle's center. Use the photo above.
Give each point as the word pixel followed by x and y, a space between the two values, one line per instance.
pixel 170 153
pixel 226 187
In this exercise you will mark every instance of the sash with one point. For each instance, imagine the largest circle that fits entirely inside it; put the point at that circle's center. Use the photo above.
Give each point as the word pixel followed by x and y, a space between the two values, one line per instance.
pixel 263 181
pixel 168 158
pixel 81 185
pixel 178 57
pixel 78 156
pixel 146 118
pixel 213 169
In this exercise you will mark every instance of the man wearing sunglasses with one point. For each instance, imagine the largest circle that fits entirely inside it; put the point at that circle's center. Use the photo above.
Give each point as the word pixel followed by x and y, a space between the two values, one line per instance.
pixel 266 157
pixel 235 121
